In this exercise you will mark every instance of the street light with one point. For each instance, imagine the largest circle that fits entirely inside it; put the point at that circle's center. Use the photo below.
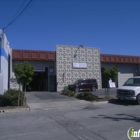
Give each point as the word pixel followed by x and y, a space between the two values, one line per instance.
pixel 80 46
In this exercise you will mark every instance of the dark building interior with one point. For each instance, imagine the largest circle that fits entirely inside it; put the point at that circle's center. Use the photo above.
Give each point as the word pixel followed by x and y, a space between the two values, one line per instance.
pixel 39 82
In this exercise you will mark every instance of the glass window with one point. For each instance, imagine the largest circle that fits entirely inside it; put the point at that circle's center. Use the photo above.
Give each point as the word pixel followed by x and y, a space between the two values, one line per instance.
pixel 83 81
pixel 132 82
pixel 77 81
pixel 93 81
pixel 88 81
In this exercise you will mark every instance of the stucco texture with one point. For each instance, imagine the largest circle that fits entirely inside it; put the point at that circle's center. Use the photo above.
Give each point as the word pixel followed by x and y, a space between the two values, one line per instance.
pixel 66 55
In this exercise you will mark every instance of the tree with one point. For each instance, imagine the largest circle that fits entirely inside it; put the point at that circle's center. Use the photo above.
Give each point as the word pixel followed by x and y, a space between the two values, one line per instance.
pixel 24 73
pixel 107 74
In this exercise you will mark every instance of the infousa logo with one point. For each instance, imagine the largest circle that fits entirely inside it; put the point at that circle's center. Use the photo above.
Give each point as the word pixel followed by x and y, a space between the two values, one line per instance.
pixel 131 133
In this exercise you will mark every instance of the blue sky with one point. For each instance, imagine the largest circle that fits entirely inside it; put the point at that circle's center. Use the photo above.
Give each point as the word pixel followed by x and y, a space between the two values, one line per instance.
pixel 111 25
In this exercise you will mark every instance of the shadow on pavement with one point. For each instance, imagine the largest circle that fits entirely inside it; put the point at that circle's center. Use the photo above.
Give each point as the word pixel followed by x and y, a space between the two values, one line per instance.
pixel 120 117
pixel 122 102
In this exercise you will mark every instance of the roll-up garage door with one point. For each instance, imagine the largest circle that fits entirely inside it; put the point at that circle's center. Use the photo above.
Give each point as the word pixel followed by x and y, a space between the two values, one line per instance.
pixel 124 72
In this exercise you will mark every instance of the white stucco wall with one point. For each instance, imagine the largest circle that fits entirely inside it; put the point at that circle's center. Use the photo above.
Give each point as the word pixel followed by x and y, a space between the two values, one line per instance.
pixel 125 71
pixel 5 51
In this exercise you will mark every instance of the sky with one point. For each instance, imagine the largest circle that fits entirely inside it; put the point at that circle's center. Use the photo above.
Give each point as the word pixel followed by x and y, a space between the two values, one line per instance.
pixel 113 26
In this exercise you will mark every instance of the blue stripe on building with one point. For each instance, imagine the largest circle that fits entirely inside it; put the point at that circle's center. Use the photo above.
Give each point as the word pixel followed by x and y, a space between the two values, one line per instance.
pixel 3 53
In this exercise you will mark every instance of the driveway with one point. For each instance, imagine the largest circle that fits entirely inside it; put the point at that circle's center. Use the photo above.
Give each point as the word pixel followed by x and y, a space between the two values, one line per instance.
pixel 52 100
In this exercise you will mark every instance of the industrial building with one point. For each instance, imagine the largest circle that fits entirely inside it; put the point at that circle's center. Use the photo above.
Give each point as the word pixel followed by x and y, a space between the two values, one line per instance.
pixel 56 69
pixel 68 63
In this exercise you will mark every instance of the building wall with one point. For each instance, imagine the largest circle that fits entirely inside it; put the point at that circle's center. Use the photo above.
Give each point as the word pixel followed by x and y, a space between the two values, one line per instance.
pixel 125 71
pixel 106 65
pixel 66 74
pixel 5 55
pixel 39 65
pixel 128 66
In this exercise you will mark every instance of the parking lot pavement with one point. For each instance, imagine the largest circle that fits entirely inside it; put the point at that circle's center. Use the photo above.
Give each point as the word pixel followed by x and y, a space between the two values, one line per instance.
pixel 52 100
pixel 41 96
pixel 103 92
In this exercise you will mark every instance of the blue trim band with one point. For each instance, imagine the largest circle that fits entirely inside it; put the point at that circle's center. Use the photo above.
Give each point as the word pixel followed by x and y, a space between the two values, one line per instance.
pixel 3 53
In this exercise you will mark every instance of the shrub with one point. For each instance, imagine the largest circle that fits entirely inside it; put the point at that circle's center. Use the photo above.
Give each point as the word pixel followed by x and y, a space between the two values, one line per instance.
pixel 10 98
pixel 67 92
pixel 87 96
pixel 4 101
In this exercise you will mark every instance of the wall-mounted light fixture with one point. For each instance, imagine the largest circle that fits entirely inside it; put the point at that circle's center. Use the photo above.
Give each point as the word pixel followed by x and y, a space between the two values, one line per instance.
pixel 80 46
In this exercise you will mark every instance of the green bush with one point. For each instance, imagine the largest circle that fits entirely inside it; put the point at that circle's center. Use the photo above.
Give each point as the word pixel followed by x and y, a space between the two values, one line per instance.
pixel 67 92
pixel 4 101
pixel 10 98
pixel 87 96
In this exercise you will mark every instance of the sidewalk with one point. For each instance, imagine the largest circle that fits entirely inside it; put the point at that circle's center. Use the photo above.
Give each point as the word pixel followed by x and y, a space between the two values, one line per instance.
pixel 13 110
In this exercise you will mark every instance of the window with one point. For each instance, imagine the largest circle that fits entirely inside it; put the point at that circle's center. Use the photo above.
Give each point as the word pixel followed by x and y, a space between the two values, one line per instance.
pixel 93 81
pixel 83 81
pixel 89 81
pixel 132 82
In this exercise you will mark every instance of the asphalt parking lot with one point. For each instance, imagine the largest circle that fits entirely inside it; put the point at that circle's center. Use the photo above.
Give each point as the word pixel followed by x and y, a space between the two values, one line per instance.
pixel 68 118
pixel 57 96
pixel 49 100
pixel 103 92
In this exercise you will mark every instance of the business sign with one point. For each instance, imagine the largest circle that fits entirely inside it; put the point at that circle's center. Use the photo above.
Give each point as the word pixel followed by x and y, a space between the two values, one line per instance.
pixel 39 69
pixel 13 80
pixel 79 65
pixel 14 84
pixel 51 69
pixel 112 84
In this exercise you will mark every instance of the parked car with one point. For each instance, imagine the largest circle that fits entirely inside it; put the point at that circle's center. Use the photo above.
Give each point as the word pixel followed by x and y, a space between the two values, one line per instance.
pixel 130 90
pixel 84 84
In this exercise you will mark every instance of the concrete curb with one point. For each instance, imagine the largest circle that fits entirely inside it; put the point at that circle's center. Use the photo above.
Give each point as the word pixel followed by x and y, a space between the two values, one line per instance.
pixel 64 107
pixel 51 106
pixel 55 108
pixel 14 110
pixel 101 102
pixel 17 110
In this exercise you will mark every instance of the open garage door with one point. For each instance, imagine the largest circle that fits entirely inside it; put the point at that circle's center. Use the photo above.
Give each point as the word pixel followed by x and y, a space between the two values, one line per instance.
pixel 39 82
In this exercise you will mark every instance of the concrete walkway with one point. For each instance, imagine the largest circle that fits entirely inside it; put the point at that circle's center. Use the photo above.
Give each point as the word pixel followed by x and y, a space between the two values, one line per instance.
pixel 52 100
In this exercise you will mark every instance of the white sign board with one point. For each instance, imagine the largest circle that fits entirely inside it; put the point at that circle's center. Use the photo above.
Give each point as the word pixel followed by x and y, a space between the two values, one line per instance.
pixel 14 84
pixel 112 85
pixel 79 65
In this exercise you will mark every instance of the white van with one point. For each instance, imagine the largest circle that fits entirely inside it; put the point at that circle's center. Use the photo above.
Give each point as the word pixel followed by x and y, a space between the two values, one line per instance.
pixel 130 90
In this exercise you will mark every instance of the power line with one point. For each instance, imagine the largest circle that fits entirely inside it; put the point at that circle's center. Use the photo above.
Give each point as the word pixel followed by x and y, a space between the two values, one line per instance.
pixel 18 16
pixel 18 10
